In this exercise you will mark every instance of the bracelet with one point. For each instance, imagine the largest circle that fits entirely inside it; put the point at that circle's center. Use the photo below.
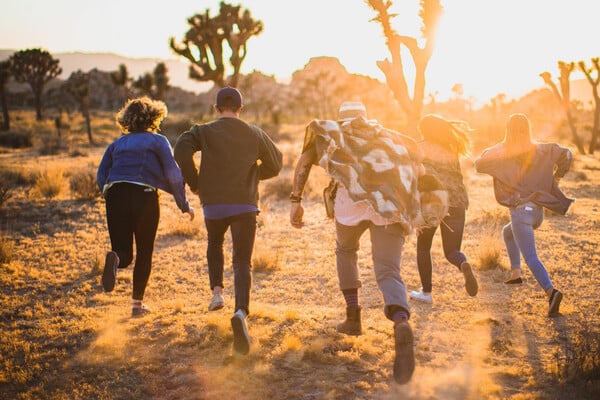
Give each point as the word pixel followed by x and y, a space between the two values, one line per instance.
pixel 295 199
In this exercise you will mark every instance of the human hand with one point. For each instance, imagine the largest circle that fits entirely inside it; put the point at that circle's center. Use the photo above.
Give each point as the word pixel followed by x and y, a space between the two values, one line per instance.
pixel 191 213
pixel 296 214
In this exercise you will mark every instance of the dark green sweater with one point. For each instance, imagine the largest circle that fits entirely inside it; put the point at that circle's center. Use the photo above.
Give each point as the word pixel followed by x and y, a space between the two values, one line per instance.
pixel 234 157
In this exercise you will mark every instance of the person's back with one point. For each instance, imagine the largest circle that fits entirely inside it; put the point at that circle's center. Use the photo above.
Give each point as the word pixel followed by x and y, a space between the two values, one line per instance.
pixel 235 156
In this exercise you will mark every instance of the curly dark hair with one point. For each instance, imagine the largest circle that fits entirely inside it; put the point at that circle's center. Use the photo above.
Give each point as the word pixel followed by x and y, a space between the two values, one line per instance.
pixel 141 115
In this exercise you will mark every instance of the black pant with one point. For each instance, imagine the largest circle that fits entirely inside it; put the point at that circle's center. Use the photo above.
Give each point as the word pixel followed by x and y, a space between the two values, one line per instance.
pixel 243 233
pixel 452 228
pixel 133 211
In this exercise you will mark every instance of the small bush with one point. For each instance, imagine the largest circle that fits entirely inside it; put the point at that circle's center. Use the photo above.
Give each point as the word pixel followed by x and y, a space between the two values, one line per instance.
pixel 16 140
pixel 83 185
pixel 6 191
pixel 266 262
pixel 580 360
pixel 279 188
pixel 51 145
pixel 6 249
pixel 490 254
pixel 49 183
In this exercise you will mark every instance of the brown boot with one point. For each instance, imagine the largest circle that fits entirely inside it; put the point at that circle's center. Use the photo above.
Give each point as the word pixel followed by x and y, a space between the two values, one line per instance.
pixel 352 325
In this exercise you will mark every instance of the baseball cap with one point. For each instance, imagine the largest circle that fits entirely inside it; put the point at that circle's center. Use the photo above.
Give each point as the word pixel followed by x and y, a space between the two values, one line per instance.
pixel 229 97
pixel 350 110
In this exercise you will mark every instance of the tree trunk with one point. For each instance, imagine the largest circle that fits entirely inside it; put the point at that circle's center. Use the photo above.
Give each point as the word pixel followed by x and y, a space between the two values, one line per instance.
pixel 6 122
pixel 576 138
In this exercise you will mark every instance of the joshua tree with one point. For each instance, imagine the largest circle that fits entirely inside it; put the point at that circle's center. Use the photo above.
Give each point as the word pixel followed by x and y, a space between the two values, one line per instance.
pixel 35 67
pixel 594 83
pixel 564 97
pixel 203 43
pixel 4 77
pixel 121 79
pixel 430 14
pixel 161 80
pixel 78 87
pixel 144 84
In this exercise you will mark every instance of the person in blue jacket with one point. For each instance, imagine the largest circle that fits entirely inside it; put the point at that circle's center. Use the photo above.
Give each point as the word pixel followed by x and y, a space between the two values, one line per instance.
pixel 526 176
pixel 130 173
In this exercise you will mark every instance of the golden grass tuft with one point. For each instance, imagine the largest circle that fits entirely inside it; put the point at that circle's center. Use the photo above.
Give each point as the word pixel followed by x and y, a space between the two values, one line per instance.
pixel 266 261
pixel 490 253
pixel 49 183
pixel 7 247
pixel 83 185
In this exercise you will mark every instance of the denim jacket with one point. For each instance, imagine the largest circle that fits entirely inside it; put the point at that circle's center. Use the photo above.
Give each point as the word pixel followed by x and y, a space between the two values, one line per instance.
pixel 145 158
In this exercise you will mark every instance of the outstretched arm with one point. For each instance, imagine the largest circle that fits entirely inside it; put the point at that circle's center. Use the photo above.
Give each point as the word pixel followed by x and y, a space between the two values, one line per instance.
pixel 301 174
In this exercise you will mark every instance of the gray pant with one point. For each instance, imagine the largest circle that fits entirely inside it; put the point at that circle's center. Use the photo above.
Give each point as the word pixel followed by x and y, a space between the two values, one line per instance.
pixel 387 242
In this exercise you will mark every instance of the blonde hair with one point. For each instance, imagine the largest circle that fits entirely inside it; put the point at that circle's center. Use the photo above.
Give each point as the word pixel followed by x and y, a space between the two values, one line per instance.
pixel 517 138
pixel 451 135
pixel 141 115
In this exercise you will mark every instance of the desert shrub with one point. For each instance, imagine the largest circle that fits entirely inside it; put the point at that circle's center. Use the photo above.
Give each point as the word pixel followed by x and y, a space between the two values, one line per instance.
pixel 16 140
pixel 6 249
pixel 279 187
pixel 6 190
pixel 83 185
pixel 183 227
pixel 50 145
pixel 265 261
pixel 490 253
pixel 493 219
pixel 580 358
pixel 49 183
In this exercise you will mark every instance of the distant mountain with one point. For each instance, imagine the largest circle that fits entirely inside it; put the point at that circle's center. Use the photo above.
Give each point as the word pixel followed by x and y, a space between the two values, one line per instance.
pixel 70 62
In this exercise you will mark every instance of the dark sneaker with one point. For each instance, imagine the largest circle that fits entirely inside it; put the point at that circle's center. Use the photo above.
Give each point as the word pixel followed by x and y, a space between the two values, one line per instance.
pixel 404 363
pixel 139 311
pixel 515 281
pixel 241 339
pixel 555 299
pixel 470 281
pixel 110 271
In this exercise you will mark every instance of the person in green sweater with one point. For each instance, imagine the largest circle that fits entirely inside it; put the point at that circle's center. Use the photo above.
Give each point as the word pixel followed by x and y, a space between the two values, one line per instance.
pixel 235 156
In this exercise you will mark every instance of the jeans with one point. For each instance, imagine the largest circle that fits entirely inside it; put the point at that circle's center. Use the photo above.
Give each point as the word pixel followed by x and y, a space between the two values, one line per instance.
pixel 132 211
pixel 243 233
pixel 452 233
pixel 519 239
pixel 386 248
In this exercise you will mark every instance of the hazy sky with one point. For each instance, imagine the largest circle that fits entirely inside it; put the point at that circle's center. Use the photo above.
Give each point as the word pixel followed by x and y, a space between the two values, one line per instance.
pixel 489 46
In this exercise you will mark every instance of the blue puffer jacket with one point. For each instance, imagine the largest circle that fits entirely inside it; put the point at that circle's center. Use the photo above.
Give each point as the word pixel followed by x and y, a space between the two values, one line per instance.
pixel 145 158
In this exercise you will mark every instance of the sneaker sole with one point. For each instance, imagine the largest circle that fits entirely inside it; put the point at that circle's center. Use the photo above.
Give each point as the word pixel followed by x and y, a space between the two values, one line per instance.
pixel 404 363
pixel 470 281
pixel 241 341
pixel 215 307
pixel 421 299
pixel 110 271
pixel 135 313
pixel 555 304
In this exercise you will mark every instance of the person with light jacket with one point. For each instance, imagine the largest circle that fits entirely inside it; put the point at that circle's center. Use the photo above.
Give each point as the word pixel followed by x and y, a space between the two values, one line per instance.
pixel 130 173
pixel 526 176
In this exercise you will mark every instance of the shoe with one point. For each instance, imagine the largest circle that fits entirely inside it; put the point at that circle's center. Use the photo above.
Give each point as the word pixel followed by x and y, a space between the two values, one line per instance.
pixel 216 303
pixel 241 339
pixel 515 281
pixel 421 296
pixel 554 302
pixel 139 311
pixel 404 363
pixel 470 281
pixel 109 275
pixel 352 325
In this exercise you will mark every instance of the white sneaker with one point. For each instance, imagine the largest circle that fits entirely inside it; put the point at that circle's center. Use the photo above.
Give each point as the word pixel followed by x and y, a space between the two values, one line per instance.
pixel 216 303
pixel 241 339
pixel 424 297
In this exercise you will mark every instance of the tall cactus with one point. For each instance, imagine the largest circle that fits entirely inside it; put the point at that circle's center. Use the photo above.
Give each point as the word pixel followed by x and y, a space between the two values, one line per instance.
pixel 203 43
pixel 430 14
pixel 36 67
pixel 564 97
pixel 4 77
pixel 593 81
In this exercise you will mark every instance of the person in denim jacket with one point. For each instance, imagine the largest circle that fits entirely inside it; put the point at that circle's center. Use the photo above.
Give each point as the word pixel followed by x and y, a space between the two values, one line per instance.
pixel 130 173
pixel 526 176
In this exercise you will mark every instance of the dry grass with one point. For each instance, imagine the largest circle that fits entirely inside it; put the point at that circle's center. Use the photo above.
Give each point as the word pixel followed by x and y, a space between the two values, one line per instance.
pixel 63 338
